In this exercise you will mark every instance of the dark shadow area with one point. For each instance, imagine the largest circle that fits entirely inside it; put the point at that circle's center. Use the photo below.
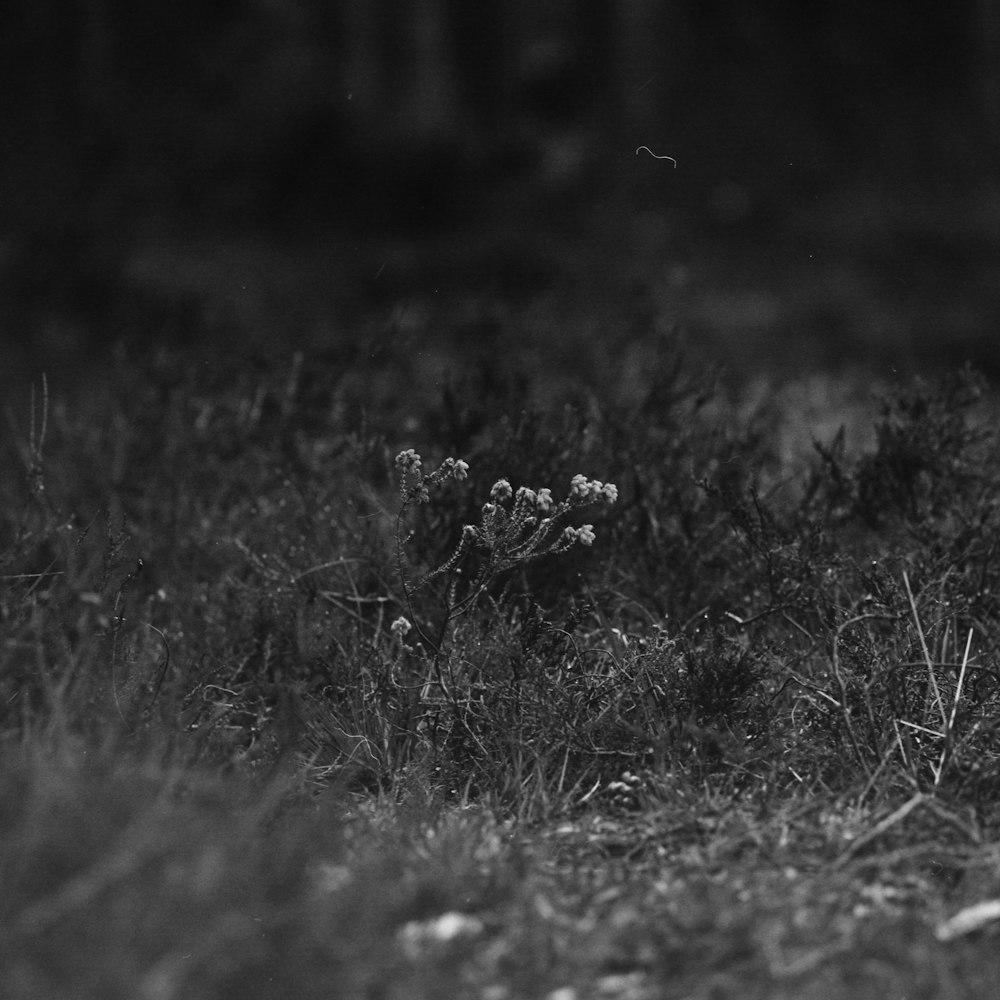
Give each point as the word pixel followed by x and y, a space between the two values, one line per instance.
pixel 261 177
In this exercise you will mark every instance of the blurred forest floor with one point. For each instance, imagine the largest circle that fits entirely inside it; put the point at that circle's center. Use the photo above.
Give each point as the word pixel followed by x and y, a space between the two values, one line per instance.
pixel 853 280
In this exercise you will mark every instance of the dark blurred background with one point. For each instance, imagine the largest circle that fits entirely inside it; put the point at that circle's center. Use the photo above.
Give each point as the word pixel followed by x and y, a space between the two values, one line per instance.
pixel 279 172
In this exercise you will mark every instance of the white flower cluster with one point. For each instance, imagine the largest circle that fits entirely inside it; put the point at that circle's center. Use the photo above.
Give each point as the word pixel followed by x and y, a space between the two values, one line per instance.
pixel 414 485
pixel 592 489
pixel 584 534
pixel 400 627
pixel 515 526
pixel 408 461
pixel 522 532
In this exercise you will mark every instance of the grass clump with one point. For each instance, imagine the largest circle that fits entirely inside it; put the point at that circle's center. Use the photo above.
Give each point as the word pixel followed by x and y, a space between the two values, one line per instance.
pixel 280 708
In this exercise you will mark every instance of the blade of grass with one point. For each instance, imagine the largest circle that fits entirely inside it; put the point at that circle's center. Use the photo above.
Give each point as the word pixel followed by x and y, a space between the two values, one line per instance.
pixel 927 656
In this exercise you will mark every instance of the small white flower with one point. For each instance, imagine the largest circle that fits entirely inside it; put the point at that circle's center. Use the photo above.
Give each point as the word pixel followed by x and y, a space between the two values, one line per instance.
pixel 408 461
pixel 501 490
pixel 579 486
pixel 400 627
pixel 461 469
pixel 544 499
pixel 416 937
pixel 585 534
pixel 469 533
pixel 610 492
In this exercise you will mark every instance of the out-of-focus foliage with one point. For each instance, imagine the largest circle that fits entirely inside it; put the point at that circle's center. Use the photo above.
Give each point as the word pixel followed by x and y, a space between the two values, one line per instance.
pixel 302 106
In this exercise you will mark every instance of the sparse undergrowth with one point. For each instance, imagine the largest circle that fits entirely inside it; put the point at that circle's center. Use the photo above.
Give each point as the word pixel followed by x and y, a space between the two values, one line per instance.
pixel 285 714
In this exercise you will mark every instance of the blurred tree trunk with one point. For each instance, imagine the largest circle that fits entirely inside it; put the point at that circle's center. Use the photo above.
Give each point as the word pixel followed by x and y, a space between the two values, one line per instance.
pixel 430 99
pixel 987 32
pixel 650 36
pixel 412 72
pixel 41 136
pixel 483 41
pixel 94 61
pixel 364 76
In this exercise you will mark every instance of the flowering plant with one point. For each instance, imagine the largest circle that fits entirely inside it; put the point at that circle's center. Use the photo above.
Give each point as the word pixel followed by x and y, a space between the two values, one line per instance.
pixel 514 527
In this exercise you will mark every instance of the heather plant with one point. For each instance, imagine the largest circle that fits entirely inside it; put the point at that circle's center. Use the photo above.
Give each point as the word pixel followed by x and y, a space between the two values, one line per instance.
pixel 515 527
